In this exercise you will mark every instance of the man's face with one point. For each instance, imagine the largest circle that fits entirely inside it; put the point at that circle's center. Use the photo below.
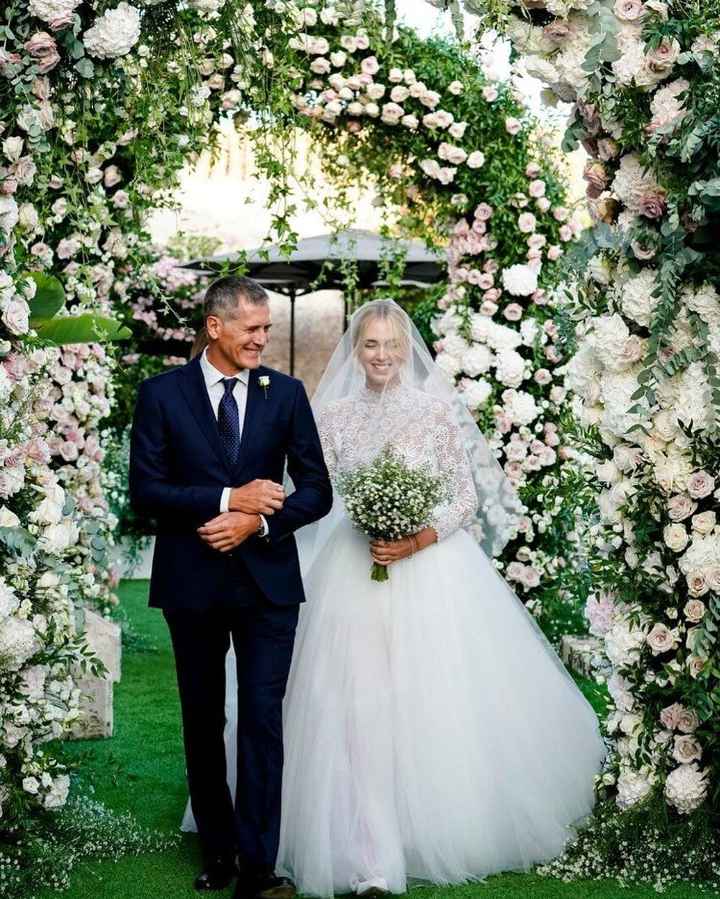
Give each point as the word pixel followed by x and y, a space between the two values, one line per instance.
pixel 239 340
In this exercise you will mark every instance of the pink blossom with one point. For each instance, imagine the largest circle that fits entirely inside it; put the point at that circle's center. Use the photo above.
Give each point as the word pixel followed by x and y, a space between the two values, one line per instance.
pixel 488 308
pixel 512 125
pixel 370 65
pixel 653 204
pixel 670 715
pixel 483 212
pixel 513 312
pixel 43 48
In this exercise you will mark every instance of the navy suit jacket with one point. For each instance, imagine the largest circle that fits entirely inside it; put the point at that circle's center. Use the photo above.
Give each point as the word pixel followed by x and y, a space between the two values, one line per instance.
pixel 178 471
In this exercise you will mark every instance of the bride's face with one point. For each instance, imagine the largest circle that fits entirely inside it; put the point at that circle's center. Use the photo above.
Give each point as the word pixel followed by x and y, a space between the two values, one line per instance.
pixel 380 352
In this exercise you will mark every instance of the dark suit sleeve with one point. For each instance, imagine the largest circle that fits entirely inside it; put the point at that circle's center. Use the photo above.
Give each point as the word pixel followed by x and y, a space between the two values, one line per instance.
pixel 312 498
pixel 151 490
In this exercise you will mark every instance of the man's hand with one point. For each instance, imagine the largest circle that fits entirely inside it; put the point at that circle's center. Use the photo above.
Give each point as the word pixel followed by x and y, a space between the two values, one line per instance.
pixel 229 530
pixel 257 498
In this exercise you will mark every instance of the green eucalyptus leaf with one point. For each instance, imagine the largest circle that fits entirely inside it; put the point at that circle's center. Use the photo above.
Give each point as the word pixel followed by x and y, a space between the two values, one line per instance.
pixel 18 540
pixel 85 68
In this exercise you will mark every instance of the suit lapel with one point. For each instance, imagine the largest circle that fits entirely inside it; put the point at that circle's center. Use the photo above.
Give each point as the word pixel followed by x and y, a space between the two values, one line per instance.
pixel 195 392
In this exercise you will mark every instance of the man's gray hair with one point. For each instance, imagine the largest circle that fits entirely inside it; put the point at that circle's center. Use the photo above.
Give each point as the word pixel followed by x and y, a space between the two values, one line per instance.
pixel 222 296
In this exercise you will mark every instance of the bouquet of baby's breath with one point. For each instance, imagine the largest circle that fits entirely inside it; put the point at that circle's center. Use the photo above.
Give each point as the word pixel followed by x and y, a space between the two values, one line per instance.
pixel 388 500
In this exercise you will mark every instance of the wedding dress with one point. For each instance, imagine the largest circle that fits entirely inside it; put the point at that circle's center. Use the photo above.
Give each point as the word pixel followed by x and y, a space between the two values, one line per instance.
pixel 431 732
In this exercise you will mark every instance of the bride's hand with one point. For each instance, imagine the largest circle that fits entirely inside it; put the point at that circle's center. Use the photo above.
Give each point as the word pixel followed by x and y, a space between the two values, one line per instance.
pixel 385 552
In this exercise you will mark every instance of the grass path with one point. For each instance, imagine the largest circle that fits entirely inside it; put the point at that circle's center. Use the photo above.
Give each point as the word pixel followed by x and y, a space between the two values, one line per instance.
pixel 141 769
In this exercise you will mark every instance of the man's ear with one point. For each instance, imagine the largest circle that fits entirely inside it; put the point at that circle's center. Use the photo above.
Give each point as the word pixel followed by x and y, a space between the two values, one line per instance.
pixel 212 326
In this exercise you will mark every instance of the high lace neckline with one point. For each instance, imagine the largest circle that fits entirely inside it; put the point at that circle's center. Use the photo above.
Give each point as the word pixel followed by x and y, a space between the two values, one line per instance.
pixel 391 391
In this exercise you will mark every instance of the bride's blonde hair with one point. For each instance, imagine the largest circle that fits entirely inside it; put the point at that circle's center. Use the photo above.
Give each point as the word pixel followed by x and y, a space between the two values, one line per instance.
pixel 383 310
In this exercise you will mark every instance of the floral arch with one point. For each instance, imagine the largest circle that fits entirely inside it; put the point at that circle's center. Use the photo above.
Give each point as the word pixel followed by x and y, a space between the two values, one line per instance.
pixel 102 104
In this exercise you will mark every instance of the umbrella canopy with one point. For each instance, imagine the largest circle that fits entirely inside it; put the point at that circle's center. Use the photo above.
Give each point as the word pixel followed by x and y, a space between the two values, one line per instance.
pixel 305 270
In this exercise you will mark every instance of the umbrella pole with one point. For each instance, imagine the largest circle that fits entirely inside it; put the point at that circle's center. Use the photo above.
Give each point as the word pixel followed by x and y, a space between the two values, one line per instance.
pixel 292 330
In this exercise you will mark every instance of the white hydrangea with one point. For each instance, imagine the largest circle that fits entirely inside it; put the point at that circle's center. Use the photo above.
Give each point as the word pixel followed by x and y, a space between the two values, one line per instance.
pixel 636 297
pixel 694 397
pixel 521 407
pixel 9 603
pixel 529 328
pixel 632 182
pixel 667 108
pixel 9 214
pixel 500 337
pixel 208 9
pixel 520 280
pixel 686 788
pixel 449 364
pixel 705 301
pixel 115 33
pixel 476 393
pixel 58 792
pixel 456 345
pixel 477 360
pixel 633 786
pixel 53 10
pixel 18 642
pixel 609 336
pixel 703 552
pixel 510 368
pixel 624 643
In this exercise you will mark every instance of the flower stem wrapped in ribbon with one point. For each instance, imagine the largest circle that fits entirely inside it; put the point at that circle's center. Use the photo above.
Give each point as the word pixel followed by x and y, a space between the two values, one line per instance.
pixel 389 500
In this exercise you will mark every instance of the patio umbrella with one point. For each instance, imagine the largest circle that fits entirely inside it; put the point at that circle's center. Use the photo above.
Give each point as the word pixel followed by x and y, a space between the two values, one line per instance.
pixel 306 270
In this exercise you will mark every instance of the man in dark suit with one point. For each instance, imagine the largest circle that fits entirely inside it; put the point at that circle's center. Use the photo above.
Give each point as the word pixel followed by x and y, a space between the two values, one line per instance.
pixel 210 442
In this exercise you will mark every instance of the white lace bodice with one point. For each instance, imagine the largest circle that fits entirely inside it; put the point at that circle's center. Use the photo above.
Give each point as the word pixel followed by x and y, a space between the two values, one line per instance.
pixel 419 427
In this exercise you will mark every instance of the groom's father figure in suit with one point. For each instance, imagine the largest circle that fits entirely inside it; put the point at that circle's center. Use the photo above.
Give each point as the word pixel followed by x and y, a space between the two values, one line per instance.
pixel 210 443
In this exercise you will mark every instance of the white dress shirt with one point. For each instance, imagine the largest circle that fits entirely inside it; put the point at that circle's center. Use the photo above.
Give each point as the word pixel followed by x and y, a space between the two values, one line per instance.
pixel 214 384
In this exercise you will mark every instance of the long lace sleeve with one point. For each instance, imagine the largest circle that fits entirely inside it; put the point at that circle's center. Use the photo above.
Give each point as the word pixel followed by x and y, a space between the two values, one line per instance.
pixel 461 504
pixel 327 438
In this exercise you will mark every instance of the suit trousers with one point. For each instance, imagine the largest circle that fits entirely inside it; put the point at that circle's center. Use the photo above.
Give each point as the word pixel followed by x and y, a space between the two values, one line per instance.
pixel 263 635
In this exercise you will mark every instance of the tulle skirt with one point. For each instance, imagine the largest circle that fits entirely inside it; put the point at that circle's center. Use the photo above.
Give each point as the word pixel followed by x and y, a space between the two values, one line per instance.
pixel 431 733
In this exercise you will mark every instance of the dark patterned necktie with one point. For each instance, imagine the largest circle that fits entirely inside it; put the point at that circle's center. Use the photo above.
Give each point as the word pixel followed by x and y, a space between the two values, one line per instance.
pixel 229 422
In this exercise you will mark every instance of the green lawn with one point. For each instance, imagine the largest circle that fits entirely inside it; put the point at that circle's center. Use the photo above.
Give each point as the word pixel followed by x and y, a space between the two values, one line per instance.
pixel 141 770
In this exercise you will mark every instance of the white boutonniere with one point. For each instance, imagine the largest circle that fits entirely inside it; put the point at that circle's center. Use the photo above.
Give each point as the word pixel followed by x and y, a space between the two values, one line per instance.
pixel 264 382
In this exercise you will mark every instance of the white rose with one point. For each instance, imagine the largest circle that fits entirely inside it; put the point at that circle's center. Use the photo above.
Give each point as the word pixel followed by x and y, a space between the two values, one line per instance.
pixel 700 484
pixel 662 639
pixel 675 537
pixel 31 785
pixel 16 316
pixel 476 160
pixel 704 522
pixel 694 610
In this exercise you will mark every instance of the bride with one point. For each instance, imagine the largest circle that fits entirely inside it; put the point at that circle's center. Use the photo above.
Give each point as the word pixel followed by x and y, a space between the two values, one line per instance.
pixel 431 733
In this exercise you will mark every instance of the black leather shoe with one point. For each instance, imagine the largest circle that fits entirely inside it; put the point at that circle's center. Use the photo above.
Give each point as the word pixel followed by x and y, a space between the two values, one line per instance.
pixel 267 886
pixel 274 887
pixel 218 873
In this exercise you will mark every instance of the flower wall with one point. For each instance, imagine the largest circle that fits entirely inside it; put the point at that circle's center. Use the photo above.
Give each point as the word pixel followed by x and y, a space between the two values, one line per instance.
pixel 644 81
